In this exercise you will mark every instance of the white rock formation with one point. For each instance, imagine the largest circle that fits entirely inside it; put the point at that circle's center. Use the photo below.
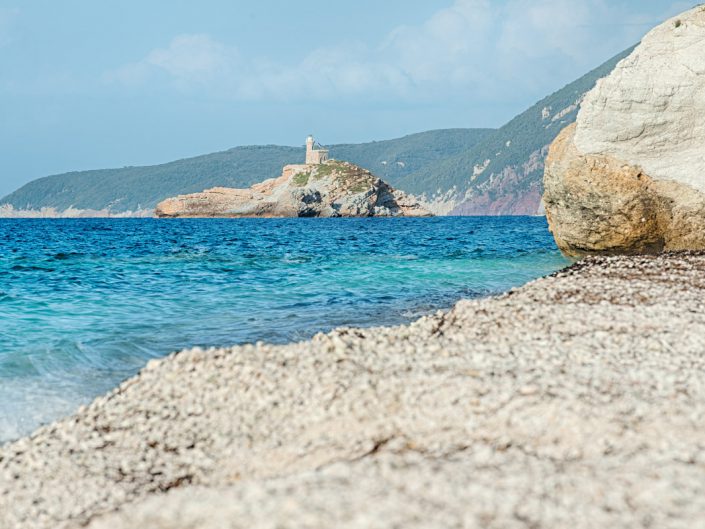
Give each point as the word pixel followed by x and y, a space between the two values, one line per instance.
pixel 650 111
pixel 629 176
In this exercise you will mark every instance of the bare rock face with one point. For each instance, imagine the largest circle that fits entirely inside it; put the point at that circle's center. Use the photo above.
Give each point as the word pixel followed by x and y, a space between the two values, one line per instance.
pixel 332 189
pixel 629 176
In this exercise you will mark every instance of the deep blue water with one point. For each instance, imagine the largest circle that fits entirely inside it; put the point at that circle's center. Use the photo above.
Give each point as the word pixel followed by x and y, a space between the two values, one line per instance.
pixel 85 303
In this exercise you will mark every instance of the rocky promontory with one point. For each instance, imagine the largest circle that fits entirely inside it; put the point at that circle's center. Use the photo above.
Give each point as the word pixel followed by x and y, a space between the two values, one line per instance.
pixel 328 189
pixel 629 176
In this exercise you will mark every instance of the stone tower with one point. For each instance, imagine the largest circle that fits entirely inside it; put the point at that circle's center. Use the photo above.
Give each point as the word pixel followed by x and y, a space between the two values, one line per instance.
pixel 315 156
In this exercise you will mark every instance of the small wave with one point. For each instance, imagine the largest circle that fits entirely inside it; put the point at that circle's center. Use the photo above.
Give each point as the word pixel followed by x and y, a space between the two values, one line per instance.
pixel 26 403
pixel 300 259
pixel 142 292
pixel 61 256
pixel 31 268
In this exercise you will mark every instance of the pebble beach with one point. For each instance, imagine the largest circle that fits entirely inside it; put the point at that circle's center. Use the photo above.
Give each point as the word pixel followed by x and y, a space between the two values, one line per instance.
pixel 575 401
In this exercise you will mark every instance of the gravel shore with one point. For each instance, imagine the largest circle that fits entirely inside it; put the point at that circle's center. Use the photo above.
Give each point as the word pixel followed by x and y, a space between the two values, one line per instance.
pixel 575 401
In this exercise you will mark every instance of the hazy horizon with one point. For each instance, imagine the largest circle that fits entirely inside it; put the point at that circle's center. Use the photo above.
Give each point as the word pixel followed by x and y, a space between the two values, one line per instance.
pixel 89 86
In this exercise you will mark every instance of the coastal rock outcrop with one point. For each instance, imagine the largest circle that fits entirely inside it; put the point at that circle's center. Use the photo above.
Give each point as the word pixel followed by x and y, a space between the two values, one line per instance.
pixel 629 176
pixel 329 189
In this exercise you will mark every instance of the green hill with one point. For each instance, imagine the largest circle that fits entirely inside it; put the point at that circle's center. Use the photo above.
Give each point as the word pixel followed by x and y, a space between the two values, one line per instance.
pixel 134 188
pixel 511 182
pixel 471 171
pixel 398 161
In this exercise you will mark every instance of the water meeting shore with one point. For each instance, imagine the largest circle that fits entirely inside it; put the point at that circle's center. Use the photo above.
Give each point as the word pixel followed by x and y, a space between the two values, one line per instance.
pixel 577 400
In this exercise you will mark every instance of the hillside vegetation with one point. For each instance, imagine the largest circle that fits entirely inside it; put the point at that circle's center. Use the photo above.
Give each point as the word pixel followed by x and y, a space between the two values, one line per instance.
pixel 135 188
pixel 399 161
pixel 513 156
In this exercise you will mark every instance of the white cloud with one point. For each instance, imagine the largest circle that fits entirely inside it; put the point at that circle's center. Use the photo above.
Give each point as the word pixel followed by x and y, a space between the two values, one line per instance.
pixel 197 61
pixel 193 56
pixel 575 29
pixel 478 48
pixel 449 46
pixel 188 59
pixel 7 17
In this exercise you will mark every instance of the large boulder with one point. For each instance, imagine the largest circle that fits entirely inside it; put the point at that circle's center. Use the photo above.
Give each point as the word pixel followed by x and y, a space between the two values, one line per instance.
pixel 629 176
pixel 332 189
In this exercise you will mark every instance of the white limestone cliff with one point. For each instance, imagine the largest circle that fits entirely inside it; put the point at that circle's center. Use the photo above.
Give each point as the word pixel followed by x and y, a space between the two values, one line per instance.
pixel 651 110
pixel 629 176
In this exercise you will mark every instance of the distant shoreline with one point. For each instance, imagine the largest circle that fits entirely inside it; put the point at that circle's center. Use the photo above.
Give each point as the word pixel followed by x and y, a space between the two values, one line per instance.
pixel 149 214
pixel 9 212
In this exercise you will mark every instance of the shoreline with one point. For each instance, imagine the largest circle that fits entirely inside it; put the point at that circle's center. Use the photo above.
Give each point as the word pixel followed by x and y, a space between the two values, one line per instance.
pixel 99 302
pixel 548 405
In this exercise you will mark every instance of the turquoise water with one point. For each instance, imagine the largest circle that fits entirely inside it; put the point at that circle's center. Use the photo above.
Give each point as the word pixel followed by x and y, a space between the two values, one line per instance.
pixel 85 303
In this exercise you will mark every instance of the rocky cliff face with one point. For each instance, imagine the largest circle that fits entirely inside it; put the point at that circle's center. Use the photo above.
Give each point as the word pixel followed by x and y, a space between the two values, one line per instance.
pixel 629 176
pixel 332 189
pixel 515 190
pixel 503 173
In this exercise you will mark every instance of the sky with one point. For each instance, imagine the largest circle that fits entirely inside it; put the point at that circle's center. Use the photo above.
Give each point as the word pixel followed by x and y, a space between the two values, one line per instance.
pixel 86 84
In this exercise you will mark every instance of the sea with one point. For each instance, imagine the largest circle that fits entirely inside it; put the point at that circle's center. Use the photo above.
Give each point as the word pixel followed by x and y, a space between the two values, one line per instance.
pixel 85 303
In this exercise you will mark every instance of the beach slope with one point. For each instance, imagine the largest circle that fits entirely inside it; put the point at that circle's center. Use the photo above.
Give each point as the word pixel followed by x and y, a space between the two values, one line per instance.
pixel 575 401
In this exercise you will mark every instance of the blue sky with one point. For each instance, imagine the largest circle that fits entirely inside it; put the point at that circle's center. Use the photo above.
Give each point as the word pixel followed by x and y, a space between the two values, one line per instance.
pixel 86 84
